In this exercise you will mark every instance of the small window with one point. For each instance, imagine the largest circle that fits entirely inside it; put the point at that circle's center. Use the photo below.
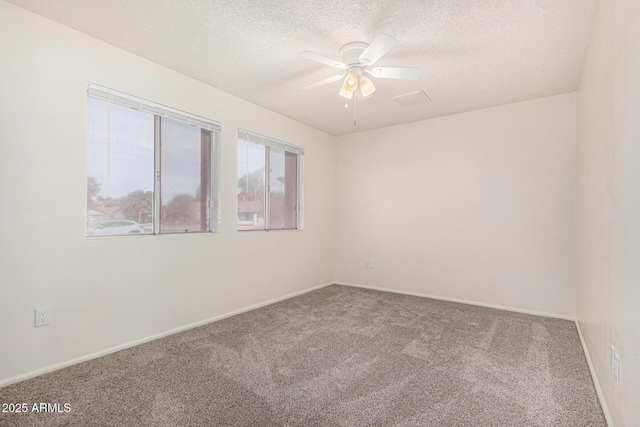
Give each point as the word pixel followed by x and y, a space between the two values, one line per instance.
pixel 151 169
pixel 269 183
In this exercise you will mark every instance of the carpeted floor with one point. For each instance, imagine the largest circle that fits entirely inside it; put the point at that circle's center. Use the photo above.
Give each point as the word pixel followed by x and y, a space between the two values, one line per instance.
pixel 338 356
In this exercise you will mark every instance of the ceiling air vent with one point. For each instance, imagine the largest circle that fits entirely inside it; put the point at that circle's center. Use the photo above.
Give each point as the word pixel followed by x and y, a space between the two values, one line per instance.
pixel 413 98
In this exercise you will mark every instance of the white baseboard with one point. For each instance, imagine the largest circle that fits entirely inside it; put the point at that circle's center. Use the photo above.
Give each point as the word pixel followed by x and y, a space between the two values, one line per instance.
pixel 481 304
pixel 596 383
pixel 55 367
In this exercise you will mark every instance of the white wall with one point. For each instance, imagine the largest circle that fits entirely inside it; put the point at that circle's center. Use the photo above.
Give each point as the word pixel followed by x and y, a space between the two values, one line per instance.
pixel 108 292
pixel 608 203
pixel 476 206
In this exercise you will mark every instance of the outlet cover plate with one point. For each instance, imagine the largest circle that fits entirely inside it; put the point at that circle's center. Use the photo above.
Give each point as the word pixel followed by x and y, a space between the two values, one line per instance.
pixel 42 316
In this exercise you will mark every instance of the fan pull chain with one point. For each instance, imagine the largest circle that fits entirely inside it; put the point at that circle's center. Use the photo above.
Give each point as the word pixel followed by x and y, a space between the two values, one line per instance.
pixel 355 108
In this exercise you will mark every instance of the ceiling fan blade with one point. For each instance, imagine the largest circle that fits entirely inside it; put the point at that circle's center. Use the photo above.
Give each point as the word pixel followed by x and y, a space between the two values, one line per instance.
pixel 324 82
pixel 378 47
pixel 402 73
pixel 323 60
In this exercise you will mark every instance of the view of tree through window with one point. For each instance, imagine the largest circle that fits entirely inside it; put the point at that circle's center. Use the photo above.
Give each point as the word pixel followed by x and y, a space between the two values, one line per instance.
pixel 186 177
pixel 283 186
pixel 251 186
pixel 120 169
pixel 122 165
pixel 267 201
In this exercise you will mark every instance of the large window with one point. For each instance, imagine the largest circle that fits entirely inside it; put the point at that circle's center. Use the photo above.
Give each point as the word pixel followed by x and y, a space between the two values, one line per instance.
pixel 269 183
pixel 151 169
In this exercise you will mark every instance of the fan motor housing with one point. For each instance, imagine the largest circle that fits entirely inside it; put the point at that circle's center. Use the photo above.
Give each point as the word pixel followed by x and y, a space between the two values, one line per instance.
pixel 350 52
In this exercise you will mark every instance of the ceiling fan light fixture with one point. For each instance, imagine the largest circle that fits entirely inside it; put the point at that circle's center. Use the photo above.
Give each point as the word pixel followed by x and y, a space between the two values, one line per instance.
pixel 345 93
pixel 351 81
pixel 366 86
pixel 349 85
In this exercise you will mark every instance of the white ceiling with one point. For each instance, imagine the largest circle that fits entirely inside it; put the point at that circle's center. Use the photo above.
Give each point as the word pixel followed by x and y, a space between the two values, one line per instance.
pixel 473 53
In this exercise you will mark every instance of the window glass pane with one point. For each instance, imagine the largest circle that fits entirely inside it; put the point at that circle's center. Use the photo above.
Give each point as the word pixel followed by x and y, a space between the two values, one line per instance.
pixel 185 185
pixel 120 169
pixel 283 182
pixel 251 185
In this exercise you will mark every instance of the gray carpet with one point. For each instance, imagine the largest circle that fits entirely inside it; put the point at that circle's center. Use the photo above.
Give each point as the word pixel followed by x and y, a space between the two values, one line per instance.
pixel 338 356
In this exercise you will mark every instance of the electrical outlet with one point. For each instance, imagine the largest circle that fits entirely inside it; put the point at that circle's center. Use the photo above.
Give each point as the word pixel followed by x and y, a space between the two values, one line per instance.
pixel 43 316
pixel 370 264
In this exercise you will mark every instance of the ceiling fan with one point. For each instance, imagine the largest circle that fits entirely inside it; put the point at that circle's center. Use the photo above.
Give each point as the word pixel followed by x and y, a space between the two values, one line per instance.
pixel 357 61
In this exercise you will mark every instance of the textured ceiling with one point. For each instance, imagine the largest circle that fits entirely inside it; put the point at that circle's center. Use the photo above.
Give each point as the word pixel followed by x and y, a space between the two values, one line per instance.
pixel 473 53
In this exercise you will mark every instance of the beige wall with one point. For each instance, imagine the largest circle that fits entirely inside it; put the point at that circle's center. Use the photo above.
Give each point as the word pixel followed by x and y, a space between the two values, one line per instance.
pixel 476 206
pixel 109 292
pixel 608 204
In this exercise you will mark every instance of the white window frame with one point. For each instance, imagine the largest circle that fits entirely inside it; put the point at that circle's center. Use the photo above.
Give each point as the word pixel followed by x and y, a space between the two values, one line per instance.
pixel 285 146
pixel 159 110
